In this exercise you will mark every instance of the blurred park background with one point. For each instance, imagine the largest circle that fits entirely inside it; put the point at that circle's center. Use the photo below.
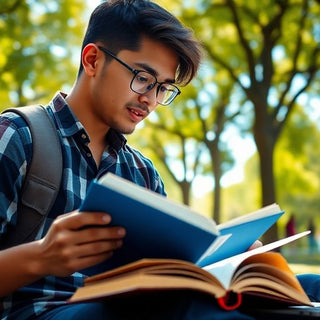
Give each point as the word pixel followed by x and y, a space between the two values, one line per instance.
pixel 245 133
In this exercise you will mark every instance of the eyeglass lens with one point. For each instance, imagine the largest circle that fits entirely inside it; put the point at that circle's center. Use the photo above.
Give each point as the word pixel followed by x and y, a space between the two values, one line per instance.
pixel 144 82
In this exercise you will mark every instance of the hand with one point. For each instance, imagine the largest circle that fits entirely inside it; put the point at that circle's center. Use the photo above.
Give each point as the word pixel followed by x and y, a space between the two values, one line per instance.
pixel 255 245
pixel 69 246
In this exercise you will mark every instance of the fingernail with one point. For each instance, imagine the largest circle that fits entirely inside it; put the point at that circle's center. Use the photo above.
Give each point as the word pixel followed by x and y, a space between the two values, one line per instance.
pixel 106 218
pixel 121 232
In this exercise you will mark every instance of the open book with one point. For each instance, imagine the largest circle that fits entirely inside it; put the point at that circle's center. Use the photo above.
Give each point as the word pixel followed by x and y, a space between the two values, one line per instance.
pixel 258 272
pixel 158 227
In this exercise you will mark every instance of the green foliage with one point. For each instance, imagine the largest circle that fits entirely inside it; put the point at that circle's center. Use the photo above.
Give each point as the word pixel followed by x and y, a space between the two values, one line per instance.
pixel 297 168
pixel 38 40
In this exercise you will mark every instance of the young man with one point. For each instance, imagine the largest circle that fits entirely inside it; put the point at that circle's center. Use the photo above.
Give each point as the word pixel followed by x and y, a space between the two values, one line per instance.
pixel 133 54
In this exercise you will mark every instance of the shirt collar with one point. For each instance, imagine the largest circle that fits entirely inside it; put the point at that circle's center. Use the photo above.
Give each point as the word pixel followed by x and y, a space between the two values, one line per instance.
pixel 69 125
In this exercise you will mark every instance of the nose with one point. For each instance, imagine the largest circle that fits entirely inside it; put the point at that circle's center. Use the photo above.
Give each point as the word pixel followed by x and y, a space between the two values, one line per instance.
pixel 149 98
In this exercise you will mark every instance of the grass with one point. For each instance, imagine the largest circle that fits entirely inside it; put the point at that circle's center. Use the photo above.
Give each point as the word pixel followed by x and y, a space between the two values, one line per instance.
pixel 301 261
pixel 304 268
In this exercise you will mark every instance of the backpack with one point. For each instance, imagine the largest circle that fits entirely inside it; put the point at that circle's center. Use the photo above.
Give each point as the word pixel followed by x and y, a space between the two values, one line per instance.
pixel 42 181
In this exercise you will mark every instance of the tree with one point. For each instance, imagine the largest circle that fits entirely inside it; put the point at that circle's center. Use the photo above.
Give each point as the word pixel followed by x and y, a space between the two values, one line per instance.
pixel 270 49
pixel 37 40
pixel 297 174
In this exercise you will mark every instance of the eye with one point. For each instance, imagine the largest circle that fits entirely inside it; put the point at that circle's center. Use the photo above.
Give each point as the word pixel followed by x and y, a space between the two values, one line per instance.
pixel 150 86
pixel 141 78
pixel 163 89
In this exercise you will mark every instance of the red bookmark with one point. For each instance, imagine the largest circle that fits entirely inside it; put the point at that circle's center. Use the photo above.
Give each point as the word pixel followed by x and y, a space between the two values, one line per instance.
pixel 230 301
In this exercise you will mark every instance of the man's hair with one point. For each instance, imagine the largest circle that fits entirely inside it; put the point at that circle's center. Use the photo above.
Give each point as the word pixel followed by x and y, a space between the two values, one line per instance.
pixel 121 24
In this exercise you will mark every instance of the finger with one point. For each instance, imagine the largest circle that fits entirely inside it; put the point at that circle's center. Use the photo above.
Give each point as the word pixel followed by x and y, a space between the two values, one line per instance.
pixel 86 262
pixel 97 248
pixel 100 234
pixel 77 220
pixel 255 245
pixel 76 264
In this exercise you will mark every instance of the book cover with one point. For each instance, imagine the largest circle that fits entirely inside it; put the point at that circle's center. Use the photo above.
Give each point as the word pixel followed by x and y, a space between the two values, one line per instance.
pixel 156 226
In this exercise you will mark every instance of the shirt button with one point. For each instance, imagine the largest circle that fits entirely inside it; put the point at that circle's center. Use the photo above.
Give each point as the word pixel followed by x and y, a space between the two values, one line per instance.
pixel 83 136
pixel 89 155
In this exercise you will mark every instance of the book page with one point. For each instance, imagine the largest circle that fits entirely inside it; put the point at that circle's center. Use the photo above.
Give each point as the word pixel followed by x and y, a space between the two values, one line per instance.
pixel 143 283
pixel 269 270
pixel 263 212
pixel 224 269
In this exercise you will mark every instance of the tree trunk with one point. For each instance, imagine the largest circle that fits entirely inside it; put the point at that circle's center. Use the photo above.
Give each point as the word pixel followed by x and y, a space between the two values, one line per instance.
pixel 216 167
pixel 265 142
pixel 185 188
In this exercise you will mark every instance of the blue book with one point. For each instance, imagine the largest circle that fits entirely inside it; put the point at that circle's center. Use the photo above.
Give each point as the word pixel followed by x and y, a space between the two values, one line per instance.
pixel 157 227
pixel 237 235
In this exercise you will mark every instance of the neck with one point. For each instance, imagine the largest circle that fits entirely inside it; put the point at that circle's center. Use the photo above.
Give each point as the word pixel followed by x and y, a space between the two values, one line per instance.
pixel 80 103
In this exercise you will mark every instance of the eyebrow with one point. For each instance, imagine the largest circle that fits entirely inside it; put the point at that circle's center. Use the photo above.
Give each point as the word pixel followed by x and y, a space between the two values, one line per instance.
pixel 153 72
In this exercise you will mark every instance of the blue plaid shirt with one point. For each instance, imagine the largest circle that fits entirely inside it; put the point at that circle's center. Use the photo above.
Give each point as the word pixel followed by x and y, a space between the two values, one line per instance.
pixel 79 170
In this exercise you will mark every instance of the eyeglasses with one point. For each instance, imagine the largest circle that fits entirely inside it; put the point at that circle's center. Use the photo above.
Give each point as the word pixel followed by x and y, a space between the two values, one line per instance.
pixel 143 81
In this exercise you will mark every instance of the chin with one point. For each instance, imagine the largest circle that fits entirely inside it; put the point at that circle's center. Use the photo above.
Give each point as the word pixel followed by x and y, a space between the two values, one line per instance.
pixel 126 131
pixel 124 128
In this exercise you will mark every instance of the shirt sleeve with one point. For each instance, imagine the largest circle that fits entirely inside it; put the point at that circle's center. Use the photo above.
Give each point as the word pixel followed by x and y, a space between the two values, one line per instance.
pixel 15 155
pixel 158 184
pixel 140 170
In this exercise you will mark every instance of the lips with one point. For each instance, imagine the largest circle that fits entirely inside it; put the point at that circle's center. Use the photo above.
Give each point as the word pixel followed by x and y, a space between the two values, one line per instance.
pixel 138 112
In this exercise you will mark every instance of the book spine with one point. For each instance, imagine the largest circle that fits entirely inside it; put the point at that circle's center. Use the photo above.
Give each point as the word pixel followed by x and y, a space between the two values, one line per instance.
pixel 230 301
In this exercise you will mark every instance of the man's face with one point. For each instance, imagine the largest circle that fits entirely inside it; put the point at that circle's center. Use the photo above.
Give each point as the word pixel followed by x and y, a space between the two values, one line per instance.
pixel 114 103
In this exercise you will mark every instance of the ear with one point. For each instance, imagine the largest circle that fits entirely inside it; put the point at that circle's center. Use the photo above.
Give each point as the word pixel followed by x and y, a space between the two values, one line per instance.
pixel 89 59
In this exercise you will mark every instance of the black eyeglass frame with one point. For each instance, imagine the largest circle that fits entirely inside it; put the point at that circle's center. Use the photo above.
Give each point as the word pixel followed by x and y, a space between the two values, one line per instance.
pixel 135 72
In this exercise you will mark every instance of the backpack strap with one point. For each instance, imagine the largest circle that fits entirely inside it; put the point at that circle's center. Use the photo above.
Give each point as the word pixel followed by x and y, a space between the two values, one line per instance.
pixel 42 181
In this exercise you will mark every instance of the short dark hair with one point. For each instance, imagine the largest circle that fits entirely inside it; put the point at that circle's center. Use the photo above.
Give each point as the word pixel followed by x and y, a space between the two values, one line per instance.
pixel 120 24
